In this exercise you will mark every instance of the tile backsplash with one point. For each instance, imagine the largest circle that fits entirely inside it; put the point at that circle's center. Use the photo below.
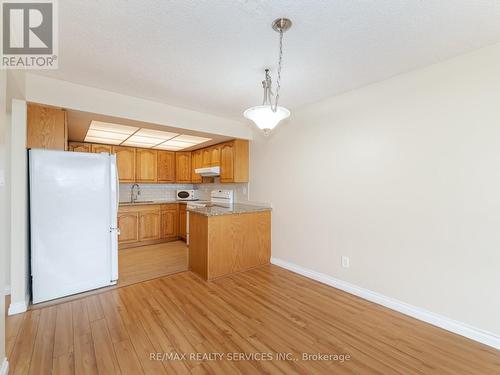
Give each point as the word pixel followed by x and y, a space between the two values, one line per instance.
pixel 153 192
pixel 162 192
pixel 240 190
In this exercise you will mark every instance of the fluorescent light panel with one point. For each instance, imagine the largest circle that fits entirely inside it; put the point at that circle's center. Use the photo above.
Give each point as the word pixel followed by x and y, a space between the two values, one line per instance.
pixel 168 148
pixel 146 141
pixel 115 128
pixel 156 134
pixel 116 134
pixel 191 139
pixel 108 141
pixel 106 132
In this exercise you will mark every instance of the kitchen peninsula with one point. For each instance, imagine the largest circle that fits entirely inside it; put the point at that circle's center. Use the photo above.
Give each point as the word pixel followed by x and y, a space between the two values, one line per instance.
pixel 226 240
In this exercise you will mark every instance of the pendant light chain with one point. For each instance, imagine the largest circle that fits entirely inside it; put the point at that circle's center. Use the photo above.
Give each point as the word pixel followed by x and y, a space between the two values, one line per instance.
pixel 278 82
pixel 269 114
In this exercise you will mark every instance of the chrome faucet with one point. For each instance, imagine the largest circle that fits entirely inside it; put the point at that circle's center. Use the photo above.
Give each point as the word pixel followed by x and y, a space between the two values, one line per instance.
pixel 132 197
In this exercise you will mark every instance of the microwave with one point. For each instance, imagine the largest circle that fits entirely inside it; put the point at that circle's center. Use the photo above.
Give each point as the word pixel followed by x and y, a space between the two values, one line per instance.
pixel 187 195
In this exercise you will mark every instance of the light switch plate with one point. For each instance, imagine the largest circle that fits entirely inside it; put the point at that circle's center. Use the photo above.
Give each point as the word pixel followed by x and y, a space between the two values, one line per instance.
pixel 345 262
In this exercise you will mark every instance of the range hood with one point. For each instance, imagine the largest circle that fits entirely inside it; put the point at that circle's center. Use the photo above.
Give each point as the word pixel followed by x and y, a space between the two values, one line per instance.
pixel 208 172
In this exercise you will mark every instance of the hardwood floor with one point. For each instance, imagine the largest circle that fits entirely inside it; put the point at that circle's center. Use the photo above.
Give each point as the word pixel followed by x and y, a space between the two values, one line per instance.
pixel 139 264
pixel 264 310
pixel 149 262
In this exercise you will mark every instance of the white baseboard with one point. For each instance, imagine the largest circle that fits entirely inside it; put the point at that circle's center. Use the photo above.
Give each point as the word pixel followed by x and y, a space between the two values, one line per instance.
pixel 4 369
pixel 448 324
pixel 7 290
pixel 18 307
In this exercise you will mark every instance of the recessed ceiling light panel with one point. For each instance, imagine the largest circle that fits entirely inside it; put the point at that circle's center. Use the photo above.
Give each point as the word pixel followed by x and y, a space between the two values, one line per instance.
pixel 104 132
pixel 156 134
pixel 116 134
pixel 168 148
pixel 192 139
pixel 107 141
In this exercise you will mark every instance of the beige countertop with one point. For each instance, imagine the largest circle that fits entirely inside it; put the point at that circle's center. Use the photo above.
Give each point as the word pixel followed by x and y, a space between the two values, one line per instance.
pixel 236 208
pixel 139 203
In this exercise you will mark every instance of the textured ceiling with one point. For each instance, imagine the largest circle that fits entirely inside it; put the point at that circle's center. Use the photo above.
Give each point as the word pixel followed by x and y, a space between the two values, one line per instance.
pixel 209 55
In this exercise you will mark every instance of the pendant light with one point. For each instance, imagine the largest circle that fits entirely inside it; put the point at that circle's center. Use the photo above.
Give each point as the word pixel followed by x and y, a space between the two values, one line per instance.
pixel 269 114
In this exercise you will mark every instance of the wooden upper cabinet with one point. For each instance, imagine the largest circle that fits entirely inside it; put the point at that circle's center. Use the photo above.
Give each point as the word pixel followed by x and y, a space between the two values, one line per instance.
pixel 234 161
pixel 227 162
pixel 206 157
pixel 146 165
pixel 79 147
pixel 47 128
pixel 196 162
pixel 215 156
pixel 166 166
pixel 98 148
pixel 149 225
pixel 183 166
pixel 125 161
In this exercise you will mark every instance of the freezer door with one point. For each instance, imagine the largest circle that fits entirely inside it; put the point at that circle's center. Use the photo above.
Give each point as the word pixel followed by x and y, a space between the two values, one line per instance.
pixel 70 219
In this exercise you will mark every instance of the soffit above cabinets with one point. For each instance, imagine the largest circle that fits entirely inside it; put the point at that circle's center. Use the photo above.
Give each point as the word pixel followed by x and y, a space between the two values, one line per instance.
pixel 124 135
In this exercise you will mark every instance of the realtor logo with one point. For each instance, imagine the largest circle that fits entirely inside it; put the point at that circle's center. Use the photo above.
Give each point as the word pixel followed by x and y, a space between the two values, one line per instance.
pixel 29 34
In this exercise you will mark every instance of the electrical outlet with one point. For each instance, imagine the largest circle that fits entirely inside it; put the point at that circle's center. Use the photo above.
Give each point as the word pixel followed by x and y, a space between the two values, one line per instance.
pixel 345 262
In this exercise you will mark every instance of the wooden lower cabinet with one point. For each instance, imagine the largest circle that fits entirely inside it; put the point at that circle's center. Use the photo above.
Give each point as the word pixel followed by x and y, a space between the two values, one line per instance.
pixel 182 221
pixel 225 244
pixel 147 224
pixel 128 222
pixel 169 222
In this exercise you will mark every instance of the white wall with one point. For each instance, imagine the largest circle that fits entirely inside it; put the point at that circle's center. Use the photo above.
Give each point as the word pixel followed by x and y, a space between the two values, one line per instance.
pixel 4 214
pixel 64 94
pixel 19 257
pixel 402 176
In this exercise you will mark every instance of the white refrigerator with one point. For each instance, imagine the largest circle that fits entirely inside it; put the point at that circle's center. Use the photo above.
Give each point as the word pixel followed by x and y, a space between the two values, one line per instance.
pixel 73 222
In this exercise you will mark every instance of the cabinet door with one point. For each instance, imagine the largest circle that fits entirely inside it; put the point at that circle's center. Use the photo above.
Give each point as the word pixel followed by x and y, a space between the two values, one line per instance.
pixel 182 224
pixel 46 127
pixel 169 223
pixel 125 161
pixel 128 222
pixel 79 147
pixel 196 162
pixel 214 156
pixel 183 167
pixel 97 148
pixel 206 157
pixel 227 162
pixel 166 166
pixel 146 165
pixel 149 225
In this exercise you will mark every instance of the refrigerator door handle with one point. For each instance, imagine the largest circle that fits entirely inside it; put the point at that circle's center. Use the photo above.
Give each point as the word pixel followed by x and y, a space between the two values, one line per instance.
pixel 117 182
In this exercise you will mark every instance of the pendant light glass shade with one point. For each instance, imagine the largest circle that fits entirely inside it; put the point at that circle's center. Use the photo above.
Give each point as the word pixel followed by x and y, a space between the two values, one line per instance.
pixel 265 118
pixel 269 114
